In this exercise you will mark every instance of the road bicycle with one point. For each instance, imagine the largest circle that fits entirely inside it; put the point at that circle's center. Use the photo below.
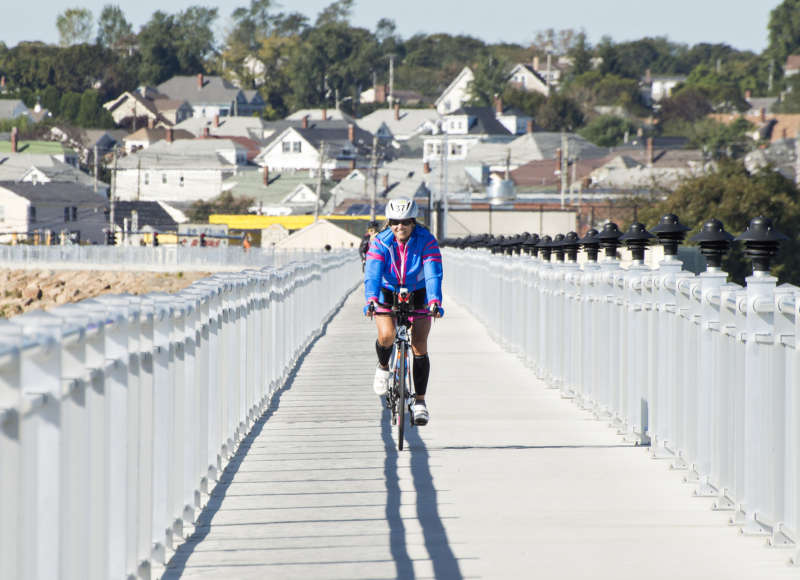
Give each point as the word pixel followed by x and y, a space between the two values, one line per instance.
pixel 400 395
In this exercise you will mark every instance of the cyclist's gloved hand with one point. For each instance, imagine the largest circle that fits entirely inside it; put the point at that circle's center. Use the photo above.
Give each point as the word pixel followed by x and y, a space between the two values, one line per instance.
pixel 369 309
pixel 436 310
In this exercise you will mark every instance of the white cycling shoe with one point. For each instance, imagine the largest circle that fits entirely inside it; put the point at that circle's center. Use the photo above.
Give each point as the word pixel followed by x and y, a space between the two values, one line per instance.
pixel 381 383
pixel 419 411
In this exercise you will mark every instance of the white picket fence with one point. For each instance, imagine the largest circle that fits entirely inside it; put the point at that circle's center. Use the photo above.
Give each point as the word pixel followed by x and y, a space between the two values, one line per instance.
pixel 118 414
pixel 707 372
pixel 162 258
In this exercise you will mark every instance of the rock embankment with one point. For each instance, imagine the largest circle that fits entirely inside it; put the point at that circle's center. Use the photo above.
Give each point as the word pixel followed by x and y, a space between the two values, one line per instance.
pixel 24 290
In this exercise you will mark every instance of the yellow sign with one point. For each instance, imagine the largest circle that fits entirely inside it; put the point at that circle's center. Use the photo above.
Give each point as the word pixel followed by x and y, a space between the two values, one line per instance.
pixel 290 222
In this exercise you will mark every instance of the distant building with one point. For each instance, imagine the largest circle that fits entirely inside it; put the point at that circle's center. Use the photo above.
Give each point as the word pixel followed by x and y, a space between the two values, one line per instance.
pixel 212 95
pixel 27 207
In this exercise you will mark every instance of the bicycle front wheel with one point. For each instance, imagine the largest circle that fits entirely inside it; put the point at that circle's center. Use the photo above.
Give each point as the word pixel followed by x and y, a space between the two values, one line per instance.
pixel 401 394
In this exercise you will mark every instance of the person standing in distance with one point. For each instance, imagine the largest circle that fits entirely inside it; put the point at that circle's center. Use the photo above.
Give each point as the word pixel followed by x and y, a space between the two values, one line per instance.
pixel 404 255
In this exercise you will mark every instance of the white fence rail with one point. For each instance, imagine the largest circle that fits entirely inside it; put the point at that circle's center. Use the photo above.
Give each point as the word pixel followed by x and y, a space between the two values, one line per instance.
pixel 161 258
pixel 118 414
pixel 707 372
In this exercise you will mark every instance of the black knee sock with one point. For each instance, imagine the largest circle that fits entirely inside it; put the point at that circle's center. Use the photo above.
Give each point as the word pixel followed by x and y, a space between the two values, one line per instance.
pixel 422 368
pixel 384 353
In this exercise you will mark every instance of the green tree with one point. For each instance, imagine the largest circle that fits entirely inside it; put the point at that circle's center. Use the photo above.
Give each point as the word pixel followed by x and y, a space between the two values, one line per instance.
pixel 199 211
pixel 527 102
pixel 490 79
pixel 112 26
pixel 337 12
pixel 581 54
pixel 734 196
pixel 607 130
pixel 74 26
pixel 784 31
pixel 559 113
pixel 70 106
pixel 51 100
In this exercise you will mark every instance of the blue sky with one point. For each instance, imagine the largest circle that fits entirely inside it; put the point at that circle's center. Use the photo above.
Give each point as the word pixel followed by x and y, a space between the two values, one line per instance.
pixel 740 23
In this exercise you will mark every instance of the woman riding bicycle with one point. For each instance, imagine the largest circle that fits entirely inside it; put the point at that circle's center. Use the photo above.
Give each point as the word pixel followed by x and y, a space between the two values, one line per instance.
pixel 404 255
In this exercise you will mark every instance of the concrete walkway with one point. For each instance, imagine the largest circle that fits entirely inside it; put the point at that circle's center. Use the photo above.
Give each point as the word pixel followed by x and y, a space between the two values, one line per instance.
pixel 507 481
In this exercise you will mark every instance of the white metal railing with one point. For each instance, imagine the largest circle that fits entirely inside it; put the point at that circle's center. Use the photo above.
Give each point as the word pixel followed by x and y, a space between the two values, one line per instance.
pixel 118 414
pixel 161 258
pixel 706 372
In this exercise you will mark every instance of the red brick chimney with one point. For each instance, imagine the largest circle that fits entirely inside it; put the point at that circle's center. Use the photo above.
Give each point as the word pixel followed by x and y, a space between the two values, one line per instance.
pixel 649 151
pixel 266 175
pixel 216 120
pixel 352 165
pixel 747 94
pixel 763 115
pixel 498 105
pixel 558 160
pixel 784 133
pixel 168 135
pixel 305 122
pixel 351 133
pixel 529 126
pixel 2 82
pixel 397 111
pixel 199 80
pixel 206 131
pixel 14 137
pixel 648 78
pixel 385 181
pixel 426 167
pixel 324 114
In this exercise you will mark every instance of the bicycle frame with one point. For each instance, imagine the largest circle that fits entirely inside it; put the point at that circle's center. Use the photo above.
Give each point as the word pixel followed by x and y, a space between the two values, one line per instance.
pixel 397 399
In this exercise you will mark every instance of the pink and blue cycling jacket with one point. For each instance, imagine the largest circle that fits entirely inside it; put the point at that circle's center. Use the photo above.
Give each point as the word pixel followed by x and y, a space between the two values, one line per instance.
pixel 413 265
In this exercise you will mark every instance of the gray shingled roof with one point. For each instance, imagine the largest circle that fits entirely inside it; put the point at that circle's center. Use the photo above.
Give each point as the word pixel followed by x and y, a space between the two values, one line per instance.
pixel 55 192
pixel 215 90
pixel 187 154
pixel 482 121
pixel 150 213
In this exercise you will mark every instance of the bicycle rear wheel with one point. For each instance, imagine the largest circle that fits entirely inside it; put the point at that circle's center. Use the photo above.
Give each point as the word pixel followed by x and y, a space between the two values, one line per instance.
pixel 401 394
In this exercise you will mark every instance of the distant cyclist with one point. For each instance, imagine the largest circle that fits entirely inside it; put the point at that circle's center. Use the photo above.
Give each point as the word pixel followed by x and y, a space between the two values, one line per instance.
pixel 404 255
pixel 366 240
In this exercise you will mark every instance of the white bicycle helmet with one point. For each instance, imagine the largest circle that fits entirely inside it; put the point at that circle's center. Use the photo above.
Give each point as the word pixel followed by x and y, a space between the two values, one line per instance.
pixel 401 208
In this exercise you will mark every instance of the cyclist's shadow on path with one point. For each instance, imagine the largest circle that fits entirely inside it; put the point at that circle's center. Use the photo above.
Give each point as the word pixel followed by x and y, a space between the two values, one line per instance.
pixel 445 564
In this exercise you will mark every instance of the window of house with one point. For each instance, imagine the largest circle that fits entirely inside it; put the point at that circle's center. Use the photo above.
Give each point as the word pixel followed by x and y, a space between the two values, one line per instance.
pixel 296 146
pixel 74 213
pixel 66 214
pixel 180 181
pixel 147 179
pixel 456 149
pixel 286 146
pixel 31 213
pixel 163 178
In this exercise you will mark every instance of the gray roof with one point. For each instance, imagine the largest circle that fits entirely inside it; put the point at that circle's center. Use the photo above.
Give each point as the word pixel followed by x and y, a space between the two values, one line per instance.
pixel 14 165
pixel 250 183
pixel 215 90
pixel 410 122
pixel 187 154
pixel 229 126
pixel 66 173
pixel 482 121
pixel 57 193
pixel 316 115
pixel 9 106
pixel 149 213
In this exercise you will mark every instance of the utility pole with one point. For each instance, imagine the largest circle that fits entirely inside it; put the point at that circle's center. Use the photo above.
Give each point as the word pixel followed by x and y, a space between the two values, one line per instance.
pixel 319 180
pixel 443 226
pixel 113 194
pixel 391 80
pixel 374 178
pixel 771 73
pixel 564 157
pixel 95 167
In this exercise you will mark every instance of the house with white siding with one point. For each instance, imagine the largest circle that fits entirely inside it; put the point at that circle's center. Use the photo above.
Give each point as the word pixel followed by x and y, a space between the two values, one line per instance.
pixel 181 171
pixel 27 207
pixel 456 93
pixel 212 95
